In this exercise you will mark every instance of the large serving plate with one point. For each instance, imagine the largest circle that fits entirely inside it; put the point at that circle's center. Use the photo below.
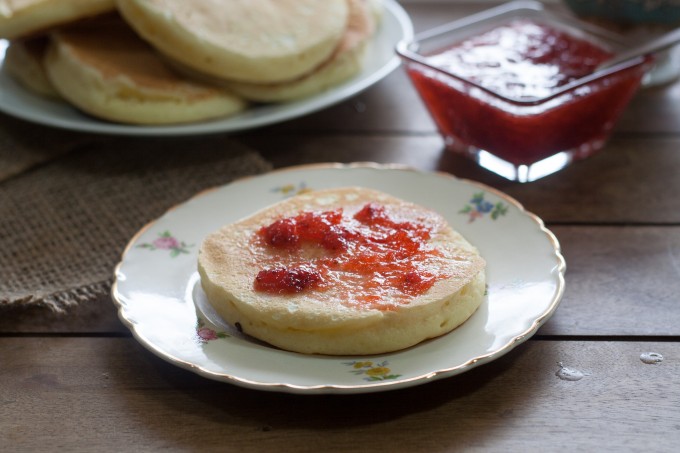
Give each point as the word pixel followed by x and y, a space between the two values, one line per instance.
pixel 380 61
pixel 158 293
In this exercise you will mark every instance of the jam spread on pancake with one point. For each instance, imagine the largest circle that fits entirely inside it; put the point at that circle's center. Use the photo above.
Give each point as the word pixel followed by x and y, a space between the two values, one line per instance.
pixel 287 280
pixel 370 252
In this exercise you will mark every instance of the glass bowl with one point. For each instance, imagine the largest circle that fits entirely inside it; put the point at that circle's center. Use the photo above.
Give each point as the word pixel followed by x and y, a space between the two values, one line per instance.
pixel 513 87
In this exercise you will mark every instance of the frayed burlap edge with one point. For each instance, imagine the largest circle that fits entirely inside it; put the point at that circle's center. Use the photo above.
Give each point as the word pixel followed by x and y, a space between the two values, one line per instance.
pixel 61 301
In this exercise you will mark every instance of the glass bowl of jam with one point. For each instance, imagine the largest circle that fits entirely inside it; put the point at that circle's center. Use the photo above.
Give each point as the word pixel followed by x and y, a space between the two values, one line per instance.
pixel 516 88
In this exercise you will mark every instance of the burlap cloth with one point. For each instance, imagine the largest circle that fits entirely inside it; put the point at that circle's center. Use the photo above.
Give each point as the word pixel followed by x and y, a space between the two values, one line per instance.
pixel 69 203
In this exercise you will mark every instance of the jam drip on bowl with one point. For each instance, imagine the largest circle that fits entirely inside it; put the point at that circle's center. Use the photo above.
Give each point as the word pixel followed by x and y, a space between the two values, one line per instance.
pixel 370 253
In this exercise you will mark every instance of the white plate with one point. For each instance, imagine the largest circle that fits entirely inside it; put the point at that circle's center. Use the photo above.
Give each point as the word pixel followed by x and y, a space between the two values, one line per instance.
pixel 158 293
pixel 380 60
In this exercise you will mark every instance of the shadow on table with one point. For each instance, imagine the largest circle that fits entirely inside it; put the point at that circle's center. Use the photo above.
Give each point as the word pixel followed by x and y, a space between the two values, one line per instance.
pixel 434 414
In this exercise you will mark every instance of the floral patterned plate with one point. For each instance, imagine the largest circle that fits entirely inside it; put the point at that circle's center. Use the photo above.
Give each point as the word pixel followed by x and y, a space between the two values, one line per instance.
pixel 158 293
pixel 380 60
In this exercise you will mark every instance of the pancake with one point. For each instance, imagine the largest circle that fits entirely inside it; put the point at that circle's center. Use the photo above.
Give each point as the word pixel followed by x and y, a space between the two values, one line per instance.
pixel 103 68
pixel 377 9
pixel 260 41
pixel 24 62
pixel 336 299
pixel 345 63
pixel 21 18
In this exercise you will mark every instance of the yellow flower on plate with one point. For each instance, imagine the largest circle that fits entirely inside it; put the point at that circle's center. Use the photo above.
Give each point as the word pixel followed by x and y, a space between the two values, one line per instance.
pixel 358 365
pixel 378 371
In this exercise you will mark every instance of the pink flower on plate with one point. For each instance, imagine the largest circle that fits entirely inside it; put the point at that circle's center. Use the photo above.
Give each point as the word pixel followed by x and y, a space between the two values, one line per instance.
pixel 206 334
pixel 166 241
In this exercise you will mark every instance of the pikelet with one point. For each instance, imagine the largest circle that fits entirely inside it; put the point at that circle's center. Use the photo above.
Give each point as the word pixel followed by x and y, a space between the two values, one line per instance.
pixel 344 63
pixel 21 18
pixel 346 271
pixel 102 67
pixel 260 41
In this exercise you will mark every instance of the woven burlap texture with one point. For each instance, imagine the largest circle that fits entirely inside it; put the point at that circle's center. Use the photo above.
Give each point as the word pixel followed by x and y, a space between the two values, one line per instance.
pixel 24 145
pixel 64 225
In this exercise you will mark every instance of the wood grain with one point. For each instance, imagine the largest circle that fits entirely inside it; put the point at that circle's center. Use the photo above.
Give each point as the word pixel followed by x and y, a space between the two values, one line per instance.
pixel 632 180
pixel 115 396
pixel 621 281
pixel 78 381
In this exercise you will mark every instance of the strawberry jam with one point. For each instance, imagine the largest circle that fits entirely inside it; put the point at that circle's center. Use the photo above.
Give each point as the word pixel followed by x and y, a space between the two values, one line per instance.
pixel 522 92
pixel 370 251
pixel 287 280
pixel 521 60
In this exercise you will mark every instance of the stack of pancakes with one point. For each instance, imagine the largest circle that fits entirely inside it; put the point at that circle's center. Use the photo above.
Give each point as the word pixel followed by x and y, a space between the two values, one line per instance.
pixel 173 61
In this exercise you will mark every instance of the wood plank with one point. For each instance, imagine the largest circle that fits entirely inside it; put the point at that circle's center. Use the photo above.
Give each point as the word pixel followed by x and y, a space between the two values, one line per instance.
pixel 115 396
pixel 653 110
pixel 632 180
pixel 619 281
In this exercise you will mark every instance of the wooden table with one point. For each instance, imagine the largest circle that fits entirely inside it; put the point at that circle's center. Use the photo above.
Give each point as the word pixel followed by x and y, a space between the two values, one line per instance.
pixel 81 382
